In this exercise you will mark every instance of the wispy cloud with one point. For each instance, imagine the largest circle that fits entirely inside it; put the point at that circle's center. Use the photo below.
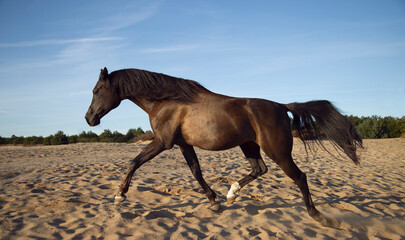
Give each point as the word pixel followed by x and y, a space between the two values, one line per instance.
pixel 78 53
pixel 176 48
pixel 327 53
pixel 346 91
pixel 127 16
pixel 46 42
pixel 103 41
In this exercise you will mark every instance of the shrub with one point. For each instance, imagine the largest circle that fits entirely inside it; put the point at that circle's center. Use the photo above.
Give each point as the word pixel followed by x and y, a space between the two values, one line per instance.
pixel 133 133
pixel 378 127
pixel 73 139
pixel 59 138
pixel 16 140
pixel 47 140
pixel 106 136
pixel 88 137
pixel 33 140
pixel 354 120
pixel 392 127
pixel 148 135
pixel 118 137
pixel 370 127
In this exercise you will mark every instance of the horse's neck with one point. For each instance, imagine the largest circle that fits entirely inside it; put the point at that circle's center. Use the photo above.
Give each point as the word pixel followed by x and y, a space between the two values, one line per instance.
pixel 142 103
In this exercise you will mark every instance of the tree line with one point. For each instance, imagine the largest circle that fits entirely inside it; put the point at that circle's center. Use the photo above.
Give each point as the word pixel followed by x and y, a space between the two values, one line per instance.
pixel 373 127
pixel 376 127
pixel 61 138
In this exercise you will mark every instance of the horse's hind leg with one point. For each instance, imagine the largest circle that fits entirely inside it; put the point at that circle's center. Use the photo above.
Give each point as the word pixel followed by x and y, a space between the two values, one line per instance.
pixel 192 161
pixel 287 164
pixel 300 179
pixel 289 167
pixel 252 152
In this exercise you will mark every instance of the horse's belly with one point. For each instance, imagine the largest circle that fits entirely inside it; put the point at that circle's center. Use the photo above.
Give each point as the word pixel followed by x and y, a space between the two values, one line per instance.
pixel 216 132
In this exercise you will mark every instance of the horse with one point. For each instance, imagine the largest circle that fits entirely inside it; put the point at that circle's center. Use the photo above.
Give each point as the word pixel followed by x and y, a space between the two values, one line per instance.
pixel 184 113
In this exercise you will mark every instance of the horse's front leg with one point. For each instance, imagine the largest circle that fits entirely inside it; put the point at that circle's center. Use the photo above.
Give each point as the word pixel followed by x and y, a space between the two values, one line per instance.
pixel 149 152
pixel 192 161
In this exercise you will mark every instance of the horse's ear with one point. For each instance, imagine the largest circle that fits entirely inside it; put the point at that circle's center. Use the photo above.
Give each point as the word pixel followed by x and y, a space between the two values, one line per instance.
pixel 104 73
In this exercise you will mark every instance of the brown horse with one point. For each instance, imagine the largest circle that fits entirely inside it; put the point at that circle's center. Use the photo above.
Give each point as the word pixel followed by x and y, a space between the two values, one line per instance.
pixel 184 113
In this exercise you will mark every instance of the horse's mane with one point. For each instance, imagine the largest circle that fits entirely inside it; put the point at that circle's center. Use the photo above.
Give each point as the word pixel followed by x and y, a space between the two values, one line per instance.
pixel 154 86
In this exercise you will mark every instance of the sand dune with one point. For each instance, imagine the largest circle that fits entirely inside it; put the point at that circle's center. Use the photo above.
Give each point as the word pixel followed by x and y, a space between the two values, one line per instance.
pixel 55 192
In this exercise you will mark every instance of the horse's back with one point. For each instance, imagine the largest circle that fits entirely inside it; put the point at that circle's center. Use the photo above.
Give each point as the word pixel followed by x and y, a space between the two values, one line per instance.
pixel 218 122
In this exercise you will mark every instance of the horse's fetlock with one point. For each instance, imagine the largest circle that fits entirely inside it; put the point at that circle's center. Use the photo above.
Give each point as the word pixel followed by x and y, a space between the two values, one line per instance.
pixel 211 195
pixel 314 213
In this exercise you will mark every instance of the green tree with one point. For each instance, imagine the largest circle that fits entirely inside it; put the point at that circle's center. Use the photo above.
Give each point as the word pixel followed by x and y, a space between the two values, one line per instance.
pixel 16 140
pixel 371 127
pixel 88 137
pixel 73 139
pixel 33 140
pixel 133 133
pixel 354 120
pixel 106 136
pixel 47 140
pixel 392 127
pixel 118 137
pixel 59 138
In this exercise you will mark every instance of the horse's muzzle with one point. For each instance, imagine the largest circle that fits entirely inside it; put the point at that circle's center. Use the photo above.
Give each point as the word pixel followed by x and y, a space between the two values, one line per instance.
pixel 92 120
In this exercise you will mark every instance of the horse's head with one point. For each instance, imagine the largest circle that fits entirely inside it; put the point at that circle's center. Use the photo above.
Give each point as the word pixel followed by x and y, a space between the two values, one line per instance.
pixel 105 98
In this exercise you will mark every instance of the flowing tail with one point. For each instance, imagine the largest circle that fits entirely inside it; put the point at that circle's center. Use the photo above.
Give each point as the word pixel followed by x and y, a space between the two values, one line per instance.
pixel 308 116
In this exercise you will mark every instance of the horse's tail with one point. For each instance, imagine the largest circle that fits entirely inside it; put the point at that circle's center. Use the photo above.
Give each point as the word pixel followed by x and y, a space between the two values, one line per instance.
pixel 309 116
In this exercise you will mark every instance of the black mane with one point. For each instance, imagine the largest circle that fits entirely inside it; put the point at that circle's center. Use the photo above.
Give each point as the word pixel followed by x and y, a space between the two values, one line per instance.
pixel 154 86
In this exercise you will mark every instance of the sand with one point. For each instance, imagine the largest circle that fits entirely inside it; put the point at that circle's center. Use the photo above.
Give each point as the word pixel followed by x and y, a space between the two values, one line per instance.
pixel 66 192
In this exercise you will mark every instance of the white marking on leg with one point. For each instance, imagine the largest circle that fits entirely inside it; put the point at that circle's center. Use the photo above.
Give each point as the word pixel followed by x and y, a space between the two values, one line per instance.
pixel 232 193
pixel 119 199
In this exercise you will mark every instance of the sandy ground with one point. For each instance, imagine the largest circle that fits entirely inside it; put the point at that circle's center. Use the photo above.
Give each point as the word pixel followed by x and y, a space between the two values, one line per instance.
pixel 66 192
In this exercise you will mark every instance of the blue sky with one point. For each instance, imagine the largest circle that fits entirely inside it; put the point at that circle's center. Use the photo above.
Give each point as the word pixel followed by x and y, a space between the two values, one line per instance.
pixel 51 52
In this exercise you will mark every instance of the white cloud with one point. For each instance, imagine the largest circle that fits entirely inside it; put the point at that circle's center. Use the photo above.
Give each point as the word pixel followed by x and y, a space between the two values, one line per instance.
pixel 46 42
pixel 127 16
pixel 176 48
pixel 346 91
pixel 317 54
pixel 79 52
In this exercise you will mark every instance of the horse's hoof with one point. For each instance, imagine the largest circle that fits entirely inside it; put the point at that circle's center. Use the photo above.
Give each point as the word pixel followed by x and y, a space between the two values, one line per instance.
pixel 327 221
pixel 231 199
pixel 119 199
pixel 216 207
